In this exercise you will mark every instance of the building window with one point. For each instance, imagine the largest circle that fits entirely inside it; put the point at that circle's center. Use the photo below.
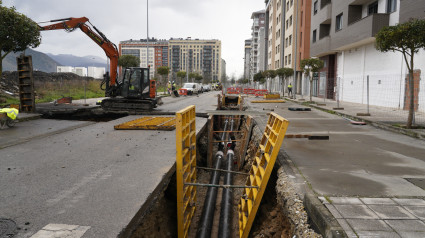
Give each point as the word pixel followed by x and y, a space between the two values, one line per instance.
pixel 372 8
pixel 287 6
pixel 292 2
pixel 287 24
pixel 338 25
pixel 290 20
pixel 286 60
pixel 315 7
pixel 301 39
pixel 289 59
pixel 314 35
pixel 391 6
pixel 290 39
pixel 302 18
pixel 286 42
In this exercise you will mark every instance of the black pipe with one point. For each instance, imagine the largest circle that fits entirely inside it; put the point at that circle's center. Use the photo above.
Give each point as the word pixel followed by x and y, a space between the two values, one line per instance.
pixel 226 214
pixel 207 218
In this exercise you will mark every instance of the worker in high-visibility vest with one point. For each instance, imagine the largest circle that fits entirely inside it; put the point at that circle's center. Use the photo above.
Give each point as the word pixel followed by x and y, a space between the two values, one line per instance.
pixel 12 113
pixel 290 89
pixel 169 87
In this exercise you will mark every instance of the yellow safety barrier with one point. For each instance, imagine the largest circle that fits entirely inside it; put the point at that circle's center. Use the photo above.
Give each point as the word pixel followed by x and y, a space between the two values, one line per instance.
pixel 268 101
pixel 272 96
pixel 185 168
pixel 260 171
pixel 149 123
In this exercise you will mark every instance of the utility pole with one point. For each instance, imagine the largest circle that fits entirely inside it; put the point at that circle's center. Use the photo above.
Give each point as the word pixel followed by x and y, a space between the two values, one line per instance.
pixel 296 47
pixel 147 34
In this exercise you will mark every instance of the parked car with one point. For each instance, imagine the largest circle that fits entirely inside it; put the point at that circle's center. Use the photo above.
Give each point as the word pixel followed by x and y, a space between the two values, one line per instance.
pixel 207 88
pixel 192 88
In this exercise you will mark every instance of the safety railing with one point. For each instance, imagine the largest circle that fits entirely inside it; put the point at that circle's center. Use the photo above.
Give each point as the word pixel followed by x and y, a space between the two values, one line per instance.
pixel 185 168
pixel 260 172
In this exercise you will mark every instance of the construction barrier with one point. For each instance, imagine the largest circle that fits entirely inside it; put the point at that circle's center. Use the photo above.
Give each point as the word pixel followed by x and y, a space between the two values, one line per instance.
pixel 260 171
pixel 185 168
pixel 272 96
pixel 182 91
pixel 249 91
pixel 233 90
pixel 261 92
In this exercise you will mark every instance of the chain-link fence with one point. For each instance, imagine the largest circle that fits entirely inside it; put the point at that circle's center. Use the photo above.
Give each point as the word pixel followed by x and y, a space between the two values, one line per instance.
pixel 385 97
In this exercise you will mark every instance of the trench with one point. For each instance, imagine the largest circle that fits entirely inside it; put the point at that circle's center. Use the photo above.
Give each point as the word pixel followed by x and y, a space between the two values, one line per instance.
pixel 271 220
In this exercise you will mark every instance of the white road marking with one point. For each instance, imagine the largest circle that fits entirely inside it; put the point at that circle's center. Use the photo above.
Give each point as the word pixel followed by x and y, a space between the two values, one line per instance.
pixel 61 230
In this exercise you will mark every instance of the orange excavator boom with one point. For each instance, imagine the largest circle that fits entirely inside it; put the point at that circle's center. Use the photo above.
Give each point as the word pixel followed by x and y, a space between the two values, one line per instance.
pixel 70 24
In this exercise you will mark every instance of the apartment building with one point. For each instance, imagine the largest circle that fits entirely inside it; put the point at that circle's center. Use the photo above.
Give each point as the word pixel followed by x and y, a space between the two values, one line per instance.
pixel 157 56
pixel 247 58
pixel 289 34
pixel 342 35
pixel 258 44
pixel 223 70
pixel 196 55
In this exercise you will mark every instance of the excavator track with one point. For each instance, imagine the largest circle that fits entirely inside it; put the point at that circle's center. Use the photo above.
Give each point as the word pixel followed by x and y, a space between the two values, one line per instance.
pixel 132 105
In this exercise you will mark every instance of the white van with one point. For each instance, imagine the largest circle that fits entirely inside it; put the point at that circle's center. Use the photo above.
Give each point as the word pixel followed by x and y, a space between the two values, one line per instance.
pixel 192 88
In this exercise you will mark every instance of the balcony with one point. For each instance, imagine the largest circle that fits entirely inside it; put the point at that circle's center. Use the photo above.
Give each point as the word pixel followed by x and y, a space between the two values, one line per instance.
pixel 359 30
pixel 324 15
pixel 321 47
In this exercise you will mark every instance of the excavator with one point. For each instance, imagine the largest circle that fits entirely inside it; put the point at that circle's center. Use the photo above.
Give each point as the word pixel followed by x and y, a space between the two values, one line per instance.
pixel 135 92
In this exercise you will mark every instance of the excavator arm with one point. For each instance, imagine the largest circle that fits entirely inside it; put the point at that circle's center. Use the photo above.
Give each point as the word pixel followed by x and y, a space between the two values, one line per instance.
pixel 70 24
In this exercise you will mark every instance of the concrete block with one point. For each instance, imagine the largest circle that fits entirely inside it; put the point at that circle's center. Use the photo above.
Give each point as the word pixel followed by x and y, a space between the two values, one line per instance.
pixel 377 201
pixel 410 202
pixel 346 200
pixel 418 211
pixel 356 212
pixel 391 212
pixel 368 225
pixel 407 225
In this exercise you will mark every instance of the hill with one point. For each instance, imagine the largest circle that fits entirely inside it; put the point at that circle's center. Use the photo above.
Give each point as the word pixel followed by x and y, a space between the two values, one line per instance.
pixel 41 61
pixel 77 61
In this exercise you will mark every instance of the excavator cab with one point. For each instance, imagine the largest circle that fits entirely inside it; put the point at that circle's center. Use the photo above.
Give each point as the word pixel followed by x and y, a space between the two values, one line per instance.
pixel 135 83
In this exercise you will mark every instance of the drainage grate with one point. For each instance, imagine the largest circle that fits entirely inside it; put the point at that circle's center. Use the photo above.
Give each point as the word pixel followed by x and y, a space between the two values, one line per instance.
pixel 420 182
pixel 149 123
pixel 7 228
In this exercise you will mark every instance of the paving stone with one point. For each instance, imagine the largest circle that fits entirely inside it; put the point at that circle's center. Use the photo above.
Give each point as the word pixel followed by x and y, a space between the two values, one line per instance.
pixel 356 211
pixel 377 201
pixel 406 225
pixel 418 211
pixel 343 223
pixel 391 212
pixel 377 234
pixel 333 210
pixel 368 225
pixel 411 234
pixel 346 200
pixel 410 201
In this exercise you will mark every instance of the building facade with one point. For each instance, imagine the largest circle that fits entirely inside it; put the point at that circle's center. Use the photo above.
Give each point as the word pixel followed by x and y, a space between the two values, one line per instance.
pixel 342 35
pixel 197 56
pixel 157 56
pixel 247 59
pixel 223 71
pixel 258 43
pixel 96 72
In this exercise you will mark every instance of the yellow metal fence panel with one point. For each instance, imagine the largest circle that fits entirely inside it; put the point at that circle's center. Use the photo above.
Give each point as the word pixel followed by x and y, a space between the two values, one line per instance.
pixel 185 168
pixel 260 171
pixel 149 123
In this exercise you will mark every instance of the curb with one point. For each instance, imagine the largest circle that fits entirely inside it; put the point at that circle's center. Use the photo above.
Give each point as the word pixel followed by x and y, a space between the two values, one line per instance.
pixel 321 219
pixel 378 125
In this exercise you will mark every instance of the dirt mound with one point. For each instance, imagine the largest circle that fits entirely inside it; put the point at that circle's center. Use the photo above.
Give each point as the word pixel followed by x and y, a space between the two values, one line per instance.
pixel 9 80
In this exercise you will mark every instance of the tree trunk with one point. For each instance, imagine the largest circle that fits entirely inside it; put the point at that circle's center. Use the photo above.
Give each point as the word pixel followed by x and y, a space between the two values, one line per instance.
pixel 412 95
pixel 283 87
pixel 311 88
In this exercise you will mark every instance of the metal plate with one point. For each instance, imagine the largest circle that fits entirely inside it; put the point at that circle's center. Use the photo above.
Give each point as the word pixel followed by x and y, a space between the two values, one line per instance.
pixel 149 123
pixel 268 101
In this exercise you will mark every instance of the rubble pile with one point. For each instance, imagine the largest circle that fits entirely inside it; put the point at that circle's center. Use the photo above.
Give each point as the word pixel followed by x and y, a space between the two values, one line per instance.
pixel 293 207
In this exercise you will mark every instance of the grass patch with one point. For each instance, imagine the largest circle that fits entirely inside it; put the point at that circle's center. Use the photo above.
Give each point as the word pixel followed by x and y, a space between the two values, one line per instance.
pixel 50 91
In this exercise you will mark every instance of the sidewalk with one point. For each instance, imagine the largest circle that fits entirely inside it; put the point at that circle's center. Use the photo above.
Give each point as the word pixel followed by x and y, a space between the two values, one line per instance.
pixel 363 180
pixel 381 117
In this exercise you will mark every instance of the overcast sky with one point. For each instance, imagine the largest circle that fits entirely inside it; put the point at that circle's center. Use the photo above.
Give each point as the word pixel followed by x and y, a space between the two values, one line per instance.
pixel 226 20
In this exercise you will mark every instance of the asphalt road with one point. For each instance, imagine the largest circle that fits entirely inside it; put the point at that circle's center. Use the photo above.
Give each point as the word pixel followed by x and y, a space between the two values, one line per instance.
pixel 84 174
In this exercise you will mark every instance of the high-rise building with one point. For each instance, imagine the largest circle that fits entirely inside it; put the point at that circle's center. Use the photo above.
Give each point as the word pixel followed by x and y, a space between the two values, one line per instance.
pixel 258 56
pixel 223 70
pixel 247 58
pixel 197 56
pixel 275 32
pixel 158 52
